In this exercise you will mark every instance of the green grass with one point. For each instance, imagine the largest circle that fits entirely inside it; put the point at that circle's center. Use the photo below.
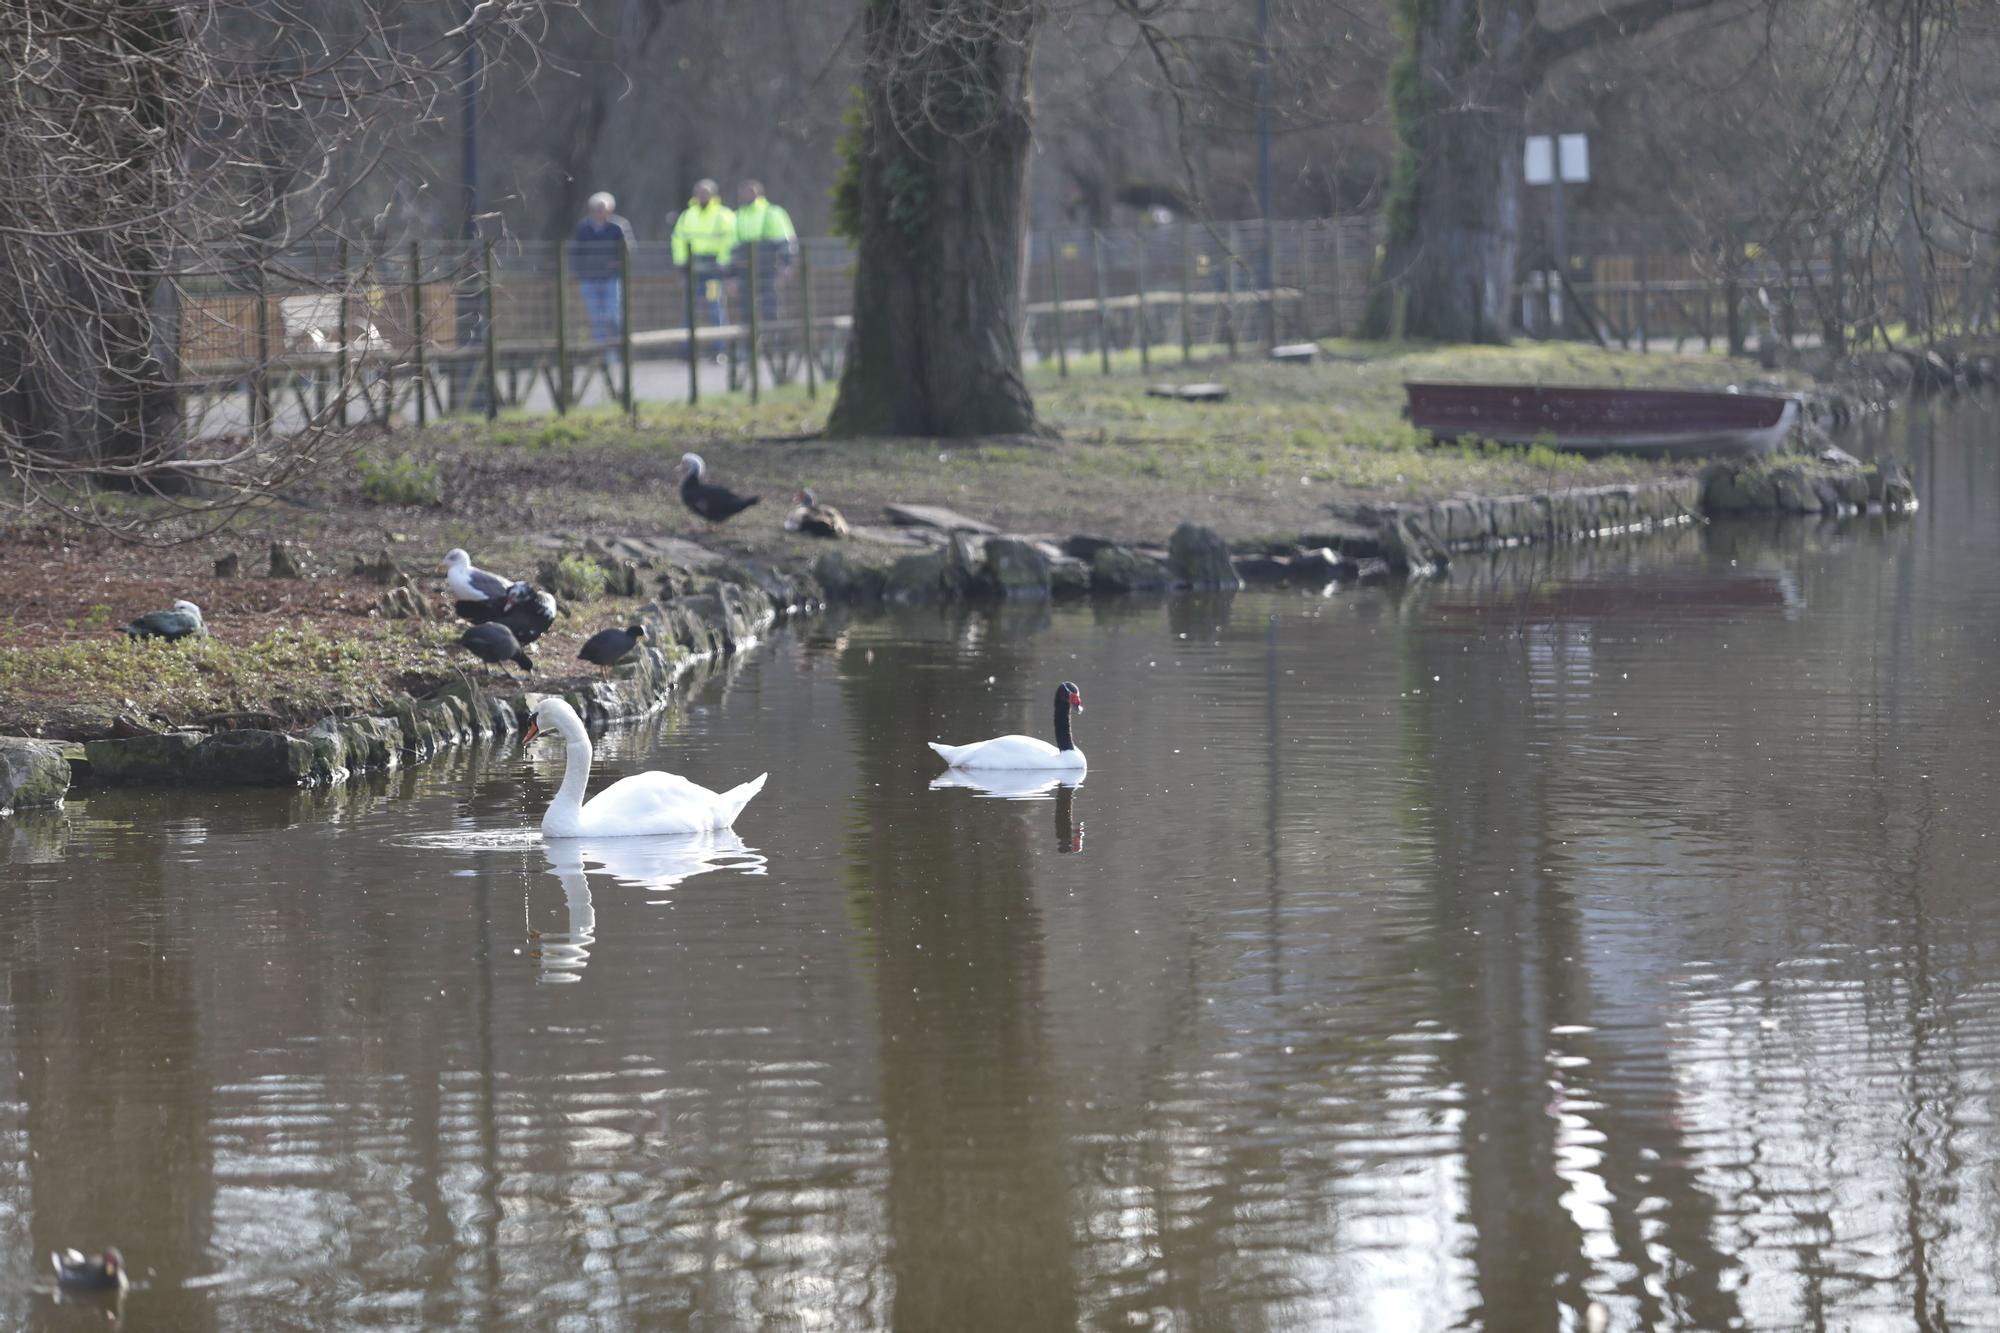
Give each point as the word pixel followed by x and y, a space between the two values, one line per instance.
pixel 298 672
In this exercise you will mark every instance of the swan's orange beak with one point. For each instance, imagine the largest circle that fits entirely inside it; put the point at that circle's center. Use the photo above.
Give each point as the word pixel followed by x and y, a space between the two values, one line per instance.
pixel 534 730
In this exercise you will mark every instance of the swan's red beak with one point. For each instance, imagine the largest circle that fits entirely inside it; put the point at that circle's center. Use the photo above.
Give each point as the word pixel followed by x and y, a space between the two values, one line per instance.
pixel 534 730
pixel 1076 700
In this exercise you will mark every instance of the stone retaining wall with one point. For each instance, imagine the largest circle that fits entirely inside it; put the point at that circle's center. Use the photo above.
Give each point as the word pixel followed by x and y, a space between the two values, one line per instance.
pixel 715 618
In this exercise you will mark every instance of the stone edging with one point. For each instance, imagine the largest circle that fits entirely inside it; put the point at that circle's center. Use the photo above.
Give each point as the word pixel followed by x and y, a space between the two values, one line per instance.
pixel 720 619
pixel 720 611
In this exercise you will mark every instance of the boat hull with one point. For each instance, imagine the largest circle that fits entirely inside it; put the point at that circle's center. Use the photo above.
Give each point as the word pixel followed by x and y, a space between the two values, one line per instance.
pixel 1660 423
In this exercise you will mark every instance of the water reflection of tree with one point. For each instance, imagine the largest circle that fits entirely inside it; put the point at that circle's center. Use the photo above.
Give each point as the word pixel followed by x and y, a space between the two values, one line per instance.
pixel 106 1043
pixel 1510 962
pixel 943 889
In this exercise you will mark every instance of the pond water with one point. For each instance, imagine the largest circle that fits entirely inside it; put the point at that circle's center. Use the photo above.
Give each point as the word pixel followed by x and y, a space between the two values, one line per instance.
pixel 1610 925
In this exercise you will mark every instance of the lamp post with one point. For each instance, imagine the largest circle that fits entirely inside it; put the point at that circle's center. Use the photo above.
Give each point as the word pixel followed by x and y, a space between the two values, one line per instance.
pixel 1264 139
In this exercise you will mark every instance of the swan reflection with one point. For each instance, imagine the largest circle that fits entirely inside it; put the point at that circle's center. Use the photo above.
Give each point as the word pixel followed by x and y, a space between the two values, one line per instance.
pixel 644 863
pixel 1010 784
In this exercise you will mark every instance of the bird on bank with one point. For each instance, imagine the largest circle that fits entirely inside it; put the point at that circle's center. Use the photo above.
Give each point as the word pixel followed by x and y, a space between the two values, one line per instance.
pixel 1024 751
pixel 813 518
pixel 74 1272
pixel 712 502
pixel 481 594
pixel 494 643
pixel 183 622
pixel 644 804
pixel 608 647
pixel 527 612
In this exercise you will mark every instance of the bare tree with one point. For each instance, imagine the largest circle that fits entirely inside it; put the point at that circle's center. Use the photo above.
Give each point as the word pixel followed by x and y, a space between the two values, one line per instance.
pixel 142 138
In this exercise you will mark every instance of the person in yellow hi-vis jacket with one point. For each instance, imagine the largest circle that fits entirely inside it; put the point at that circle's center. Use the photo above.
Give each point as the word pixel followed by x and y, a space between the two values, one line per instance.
pixel 768 228
pixel 706 229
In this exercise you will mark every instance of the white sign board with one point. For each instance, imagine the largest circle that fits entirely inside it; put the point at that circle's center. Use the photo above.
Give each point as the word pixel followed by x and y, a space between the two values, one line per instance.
pixel 1575 156
pixel 1539 153
pixel 1537 164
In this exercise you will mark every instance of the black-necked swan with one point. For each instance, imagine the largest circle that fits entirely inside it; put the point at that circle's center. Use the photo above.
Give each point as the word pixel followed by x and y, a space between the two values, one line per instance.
pixel 815 519
pixel 712 502
pixel 1024 751
pixel 481 594
pixel 641 805
pixel 184 621
pixel 495 643
pixel 608 647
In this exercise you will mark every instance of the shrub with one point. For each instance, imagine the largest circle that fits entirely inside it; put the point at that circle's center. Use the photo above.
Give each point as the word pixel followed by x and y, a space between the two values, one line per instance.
pixel 401 480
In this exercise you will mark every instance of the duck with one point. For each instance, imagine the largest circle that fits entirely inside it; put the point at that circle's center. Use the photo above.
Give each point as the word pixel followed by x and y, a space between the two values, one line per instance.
pixel 75 1272
pixel 712 502
pixel 608 647
pixel 527 612
pixel 493 642
pixel 815 519
pixel 643 805
pixel 1024 751
pixel 182 622
pixel 481 594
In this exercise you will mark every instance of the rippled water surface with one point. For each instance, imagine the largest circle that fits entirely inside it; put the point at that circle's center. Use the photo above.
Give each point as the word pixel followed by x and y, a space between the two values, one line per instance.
pixel 1615 925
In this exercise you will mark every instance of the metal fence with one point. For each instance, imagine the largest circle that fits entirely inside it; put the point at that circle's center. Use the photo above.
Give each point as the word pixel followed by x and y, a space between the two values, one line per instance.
pixel 329 334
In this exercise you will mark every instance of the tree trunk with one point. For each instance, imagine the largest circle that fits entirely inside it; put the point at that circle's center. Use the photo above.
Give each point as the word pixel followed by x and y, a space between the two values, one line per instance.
pixel 1459 97
pixel 936 197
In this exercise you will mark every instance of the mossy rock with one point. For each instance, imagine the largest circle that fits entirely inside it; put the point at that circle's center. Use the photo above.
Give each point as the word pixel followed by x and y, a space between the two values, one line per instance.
pixel 1198 558
pixel 31 773
pixel 1013 568
pixel 1121 569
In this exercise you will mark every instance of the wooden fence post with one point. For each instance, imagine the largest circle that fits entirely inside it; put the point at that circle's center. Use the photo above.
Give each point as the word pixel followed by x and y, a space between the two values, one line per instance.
pixel 418 335
pixel 694 344
pixel 1229 288
pixel 260 381
pixel 492 353
pixel 1055 290
pixel 340 365
pixel 750 301
pixel 1187 289
pixel 806 317
pixel 1097 289
pixel 1139 281
pixel 625 327
pixel 562 330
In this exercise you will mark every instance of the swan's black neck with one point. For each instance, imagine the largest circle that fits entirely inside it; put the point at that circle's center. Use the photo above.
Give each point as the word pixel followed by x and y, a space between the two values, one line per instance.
pixel 1063 741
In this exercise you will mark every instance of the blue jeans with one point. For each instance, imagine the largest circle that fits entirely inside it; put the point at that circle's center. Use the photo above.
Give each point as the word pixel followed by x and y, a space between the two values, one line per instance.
pixel 602 302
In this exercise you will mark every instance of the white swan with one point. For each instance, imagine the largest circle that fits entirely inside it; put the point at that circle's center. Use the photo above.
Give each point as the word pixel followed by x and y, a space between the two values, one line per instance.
pixel 1024 751
pixel 641 805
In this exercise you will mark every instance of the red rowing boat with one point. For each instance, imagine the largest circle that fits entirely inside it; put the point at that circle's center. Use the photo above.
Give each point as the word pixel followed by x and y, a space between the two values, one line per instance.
pixel 1677 423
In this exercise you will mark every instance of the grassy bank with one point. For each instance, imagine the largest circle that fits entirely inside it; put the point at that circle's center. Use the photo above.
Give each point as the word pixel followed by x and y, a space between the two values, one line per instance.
pixel 1290 441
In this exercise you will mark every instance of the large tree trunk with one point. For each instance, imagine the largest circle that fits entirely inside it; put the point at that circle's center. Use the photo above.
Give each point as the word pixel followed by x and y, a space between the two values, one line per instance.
pixel 939 209
pixel 1459 96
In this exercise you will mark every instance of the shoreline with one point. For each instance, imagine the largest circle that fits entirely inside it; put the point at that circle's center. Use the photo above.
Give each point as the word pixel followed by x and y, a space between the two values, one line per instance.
pixel 706 615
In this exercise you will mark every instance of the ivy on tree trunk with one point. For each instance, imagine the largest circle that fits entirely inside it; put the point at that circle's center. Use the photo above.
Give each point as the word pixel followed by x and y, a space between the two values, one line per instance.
pixel 935 195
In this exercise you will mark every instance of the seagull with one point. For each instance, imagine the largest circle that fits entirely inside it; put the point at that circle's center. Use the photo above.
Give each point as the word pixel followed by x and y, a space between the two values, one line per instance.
pixel 481 594
pixel 184 621
pixel 813 518
pixel 495 643
pixel 714 503
pixel 608 647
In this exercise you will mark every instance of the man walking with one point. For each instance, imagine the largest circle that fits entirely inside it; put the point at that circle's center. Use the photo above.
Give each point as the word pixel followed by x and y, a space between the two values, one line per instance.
pixel 597 257
pixel 706 230
pixel 763 224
